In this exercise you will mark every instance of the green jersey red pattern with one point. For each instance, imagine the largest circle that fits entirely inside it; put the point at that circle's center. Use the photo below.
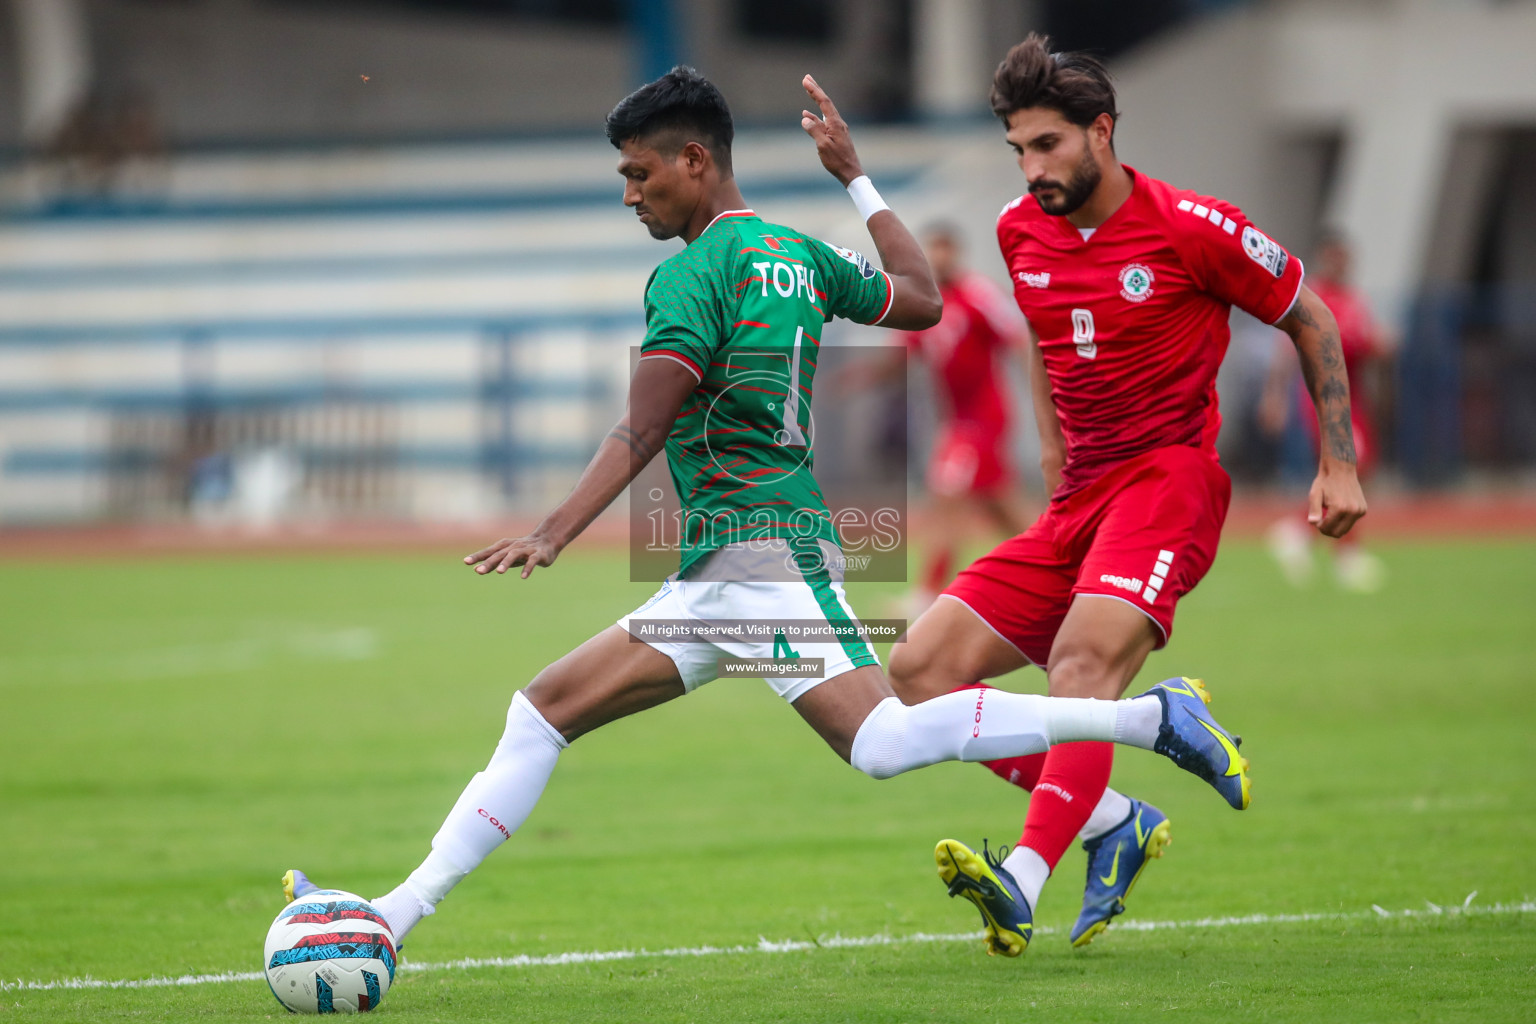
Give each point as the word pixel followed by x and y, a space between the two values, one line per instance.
pixel 742 307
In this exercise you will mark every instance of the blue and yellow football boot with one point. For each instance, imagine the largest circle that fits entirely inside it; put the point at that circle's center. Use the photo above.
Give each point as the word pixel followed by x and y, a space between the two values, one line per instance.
pixel 985 882
pixel 1116 860
pixel 1191 739
pixel 296 884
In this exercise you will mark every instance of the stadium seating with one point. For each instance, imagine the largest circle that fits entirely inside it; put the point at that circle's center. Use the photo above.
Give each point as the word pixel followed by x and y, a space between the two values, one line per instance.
pixel 428 331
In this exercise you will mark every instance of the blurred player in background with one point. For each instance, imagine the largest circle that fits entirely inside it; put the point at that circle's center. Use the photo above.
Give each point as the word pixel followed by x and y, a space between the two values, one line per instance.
pixel 1365 344
pixel 970 470
pixel 759 544
pixel 1127 283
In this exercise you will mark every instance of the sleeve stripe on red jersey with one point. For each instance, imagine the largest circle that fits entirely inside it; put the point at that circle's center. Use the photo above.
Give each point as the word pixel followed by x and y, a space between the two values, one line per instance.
pixel 676 357
pixel 1300 280
pixel 890 299
pixel 1216 217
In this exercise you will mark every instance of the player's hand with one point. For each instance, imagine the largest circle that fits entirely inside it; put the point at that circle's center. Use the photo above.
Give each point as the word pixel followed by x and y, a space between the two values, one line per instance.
pixel 833 143
pixel 510 552
pixel 1336 501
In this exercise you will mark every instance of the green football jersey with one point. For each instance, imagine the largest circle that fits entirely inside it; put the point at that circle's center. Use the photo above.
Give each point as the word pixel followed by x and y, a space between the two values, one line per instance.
pixel 742 307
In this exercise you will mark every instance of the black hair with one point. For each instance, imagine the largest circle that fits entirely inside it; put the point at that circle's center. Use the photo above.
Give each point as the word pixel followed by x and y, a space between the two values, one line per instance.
pixel 681 102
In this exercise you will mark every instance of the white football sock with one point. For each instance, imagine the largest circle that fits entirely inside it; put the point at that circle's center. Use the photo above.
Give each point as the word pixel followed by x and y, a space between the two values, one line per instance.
pixel 1030 870
pixel 1137 721
pixel 974 725
pixel 1111 810
pixel 493 806
pixel 402 909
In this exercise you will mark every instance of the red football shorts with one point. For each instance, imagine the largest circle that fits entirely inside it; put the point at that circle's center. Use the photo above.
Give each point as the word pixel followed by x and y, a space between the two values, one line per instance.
pixel 1144 533
pixel 969 458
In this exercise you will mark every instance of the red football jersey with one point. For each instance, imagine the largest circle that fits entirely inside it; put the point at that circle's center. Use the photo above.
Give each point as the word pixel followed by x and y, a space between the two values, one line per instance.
pixel 963 350
pixel 1132 321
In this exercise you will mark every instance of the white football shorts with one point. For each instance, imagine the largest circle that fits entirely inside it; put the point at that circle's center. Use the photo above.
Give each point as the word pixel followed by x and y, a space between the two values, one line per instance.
pixel 758 602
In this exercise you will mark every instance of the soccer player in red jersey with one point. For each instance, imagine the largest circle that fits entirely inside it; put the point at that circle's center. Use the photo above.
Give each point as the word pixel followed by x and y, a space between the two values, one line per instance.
pixel 1363 343
pixel 1127 283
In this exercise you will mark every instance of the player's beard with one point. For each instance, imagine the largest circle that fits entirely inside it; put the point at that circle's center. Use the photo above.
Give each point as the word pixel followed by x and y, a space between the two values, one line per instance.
pixel 661 232
pixel 1085 178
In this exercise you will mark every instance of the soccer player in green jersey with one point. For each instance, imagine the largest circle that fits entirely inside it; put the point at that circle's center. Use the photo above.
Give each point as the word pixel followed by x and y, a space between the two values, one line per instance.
pixel 724 386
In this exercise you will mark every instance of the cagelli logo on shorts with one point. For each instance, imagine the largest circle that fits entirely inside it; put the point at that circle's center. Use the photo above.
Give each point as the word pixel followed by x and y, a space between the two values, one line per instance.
pixel 1130 583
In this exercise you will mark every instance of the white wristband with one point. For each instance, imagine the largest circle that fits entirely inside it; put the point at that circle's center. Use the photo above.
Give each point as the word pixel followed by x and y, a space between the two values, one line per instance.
pixel 862 191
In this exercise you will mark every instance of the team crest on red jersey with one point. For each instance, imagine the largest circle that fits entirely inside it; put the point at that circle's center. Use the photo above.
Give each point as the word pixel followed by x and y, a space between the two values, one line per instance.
pixel 1135 282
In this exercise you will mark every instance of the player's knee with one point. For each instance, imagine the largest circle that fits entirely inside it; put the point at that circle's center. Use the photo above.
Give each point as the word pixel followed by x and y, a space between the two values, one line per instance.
pixel 917 672
pixel 1085 670
pixel 879 747
pixel 907 665
pixel 558 699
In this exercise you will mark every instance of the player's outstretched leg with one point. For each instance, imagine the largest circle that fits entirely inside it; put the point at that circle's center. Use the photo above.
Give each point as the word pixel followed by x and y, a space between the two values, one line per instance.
pixel 493 806
pixel 1005 913
pixel 604 679
pixel 1190 738
pixel 985 725
pixel 1116 860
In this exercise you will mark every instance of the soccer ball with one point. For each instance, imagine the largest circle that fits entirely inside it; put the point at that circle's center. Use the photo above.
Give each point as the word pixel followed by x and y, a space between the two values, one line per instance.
pixel 329 952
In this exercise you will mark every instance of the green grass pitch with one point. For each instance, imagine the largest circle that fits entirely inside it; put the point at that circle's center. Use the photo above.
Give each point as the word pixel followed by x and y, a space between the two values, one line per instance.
pixel 175 733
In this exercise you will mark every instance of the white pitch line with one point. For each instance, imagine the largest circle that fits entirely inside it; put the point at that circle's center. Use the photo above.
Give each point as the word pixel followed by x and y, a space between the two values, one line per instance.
pixel 784 946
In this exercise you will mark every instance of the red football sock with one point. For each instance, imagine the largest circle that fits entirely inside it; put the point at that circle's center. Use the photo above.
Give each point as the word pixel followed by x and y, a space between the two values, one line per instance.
pixel 1024 771
pixel 1070 787
pixel 938 569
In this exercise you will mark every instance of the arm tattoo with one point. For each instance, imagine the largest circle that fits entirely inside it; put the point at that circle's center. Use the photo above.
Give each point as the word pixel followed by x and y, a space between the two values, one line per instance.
pixel 637 444
pixel 1322 364
pixel 1303 316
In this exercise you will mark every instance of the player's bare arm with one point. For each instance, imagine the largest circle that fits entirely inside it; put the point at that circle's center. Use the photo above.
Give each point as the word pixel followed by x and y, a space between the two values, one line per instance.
pixel 1336 501
pixel 915 304
pixel 656 394
pixel 1053 445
